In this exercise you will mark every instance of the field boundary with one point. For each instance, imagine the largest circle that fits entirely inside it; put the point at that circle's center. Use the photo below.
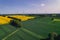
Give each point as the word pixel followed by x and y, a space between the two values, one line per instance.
pixel 32 33
pixel 10 34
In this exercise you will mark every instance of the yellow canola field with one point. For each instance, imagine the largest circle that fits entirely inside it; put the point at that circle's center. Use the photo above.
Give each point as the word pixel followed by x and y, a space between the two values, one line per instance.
pixel 5 20
pixel 23 18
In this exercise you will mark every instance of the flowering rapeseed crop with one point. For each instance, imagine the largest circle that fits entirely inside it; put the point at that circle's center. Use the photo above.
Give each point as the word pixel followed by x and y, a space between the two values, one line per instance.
pixel 23 18
pixel 5 20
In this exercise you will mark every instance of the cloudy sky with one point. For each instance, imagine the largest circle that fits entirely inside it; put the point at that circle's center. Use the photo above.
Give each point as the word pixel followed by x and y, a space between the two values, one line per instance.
pixel 29 6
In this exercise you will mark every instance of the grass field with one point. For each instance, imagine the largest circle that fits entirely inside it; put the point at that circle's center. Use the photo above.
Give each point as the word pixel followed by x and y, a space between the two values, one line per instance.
pixel 33 29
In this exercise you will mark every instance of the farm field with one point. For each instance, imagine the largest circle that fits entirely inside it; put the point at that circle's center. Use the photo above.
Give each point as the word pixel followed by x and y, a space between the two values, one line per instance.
pixel 33 28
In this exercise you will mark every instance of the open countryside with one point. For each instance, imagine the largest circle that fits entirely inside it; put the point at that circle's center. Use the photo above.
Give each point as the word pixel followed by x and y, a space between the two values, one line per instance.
pixel 33 27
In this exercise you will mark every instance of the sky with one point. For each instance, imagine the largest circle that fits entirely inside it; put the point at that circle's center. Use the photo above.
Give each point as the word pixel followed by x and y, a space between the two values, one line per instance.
pixel 29 6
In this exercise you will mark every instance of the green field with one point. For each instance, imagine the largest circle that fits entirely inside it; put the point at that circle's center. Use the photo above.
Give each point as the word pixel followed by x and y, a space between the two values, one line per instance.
pixel 34 29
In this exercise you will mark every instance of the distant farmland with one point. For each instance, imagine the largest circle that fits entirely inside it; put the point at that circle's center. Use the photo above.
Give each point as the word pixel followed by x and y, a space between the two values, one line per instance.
pixel 34 27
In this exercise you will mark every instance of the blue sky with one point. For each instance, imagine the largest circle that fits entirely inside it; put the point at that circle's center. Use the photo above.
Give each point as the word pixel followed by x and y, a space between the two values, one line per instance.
pixel 29 6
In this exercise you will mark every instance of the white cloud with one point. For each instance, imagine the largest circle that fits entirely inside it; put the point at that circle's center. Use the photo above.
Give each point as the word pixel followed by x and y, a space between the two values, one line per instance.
pixel 42 4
